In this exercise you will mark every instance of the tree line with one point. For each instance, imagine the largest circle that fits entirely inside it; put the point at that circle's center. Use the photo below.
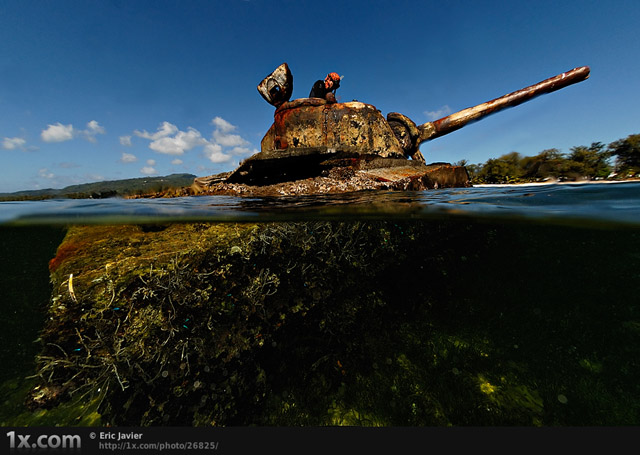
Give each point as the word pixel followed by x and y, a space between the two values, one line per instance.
pixel 105 189
pixel 616 161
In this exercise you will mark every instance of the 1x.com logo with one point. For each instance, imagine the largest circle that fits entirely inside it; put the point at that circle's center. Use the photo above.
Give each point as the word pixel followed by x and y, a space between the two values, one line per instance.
pixel 43 441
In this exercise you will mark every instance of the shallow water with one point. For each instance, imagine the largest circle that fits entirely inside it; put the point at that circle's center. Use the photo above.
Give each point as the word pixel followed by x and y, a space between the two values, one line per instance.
pixel 615 203
pixel 523 308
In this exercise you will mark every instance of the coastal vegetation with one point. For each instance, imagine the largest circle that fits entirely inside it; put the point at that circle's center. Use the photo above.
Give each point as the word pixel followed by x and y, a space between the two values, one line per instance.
pixel 105 189
pixel 618 160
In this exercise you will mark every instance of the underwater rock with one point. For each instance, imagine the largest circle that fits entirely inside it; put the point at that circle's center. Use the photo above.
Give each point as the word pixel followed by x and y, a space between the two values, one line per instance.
pixel 45 396
pixel 325 323
pixel 362 173
pixel 183 325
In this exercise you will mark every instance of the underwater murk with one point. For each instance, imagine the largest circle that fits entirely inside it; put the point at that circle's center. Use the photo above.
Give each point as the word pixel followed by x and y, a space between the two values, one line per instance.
pixel 474 307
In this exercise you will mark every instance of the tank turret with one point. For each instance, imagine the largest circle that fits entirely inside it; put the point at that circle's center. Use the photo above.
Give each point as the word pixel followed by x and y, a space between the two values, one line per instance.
pixel 310 135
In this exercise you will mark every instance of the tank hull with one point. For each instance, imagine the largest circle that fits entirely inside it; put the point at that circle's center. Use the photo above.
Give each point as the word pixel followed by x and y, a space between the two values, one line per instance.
pixel 311 136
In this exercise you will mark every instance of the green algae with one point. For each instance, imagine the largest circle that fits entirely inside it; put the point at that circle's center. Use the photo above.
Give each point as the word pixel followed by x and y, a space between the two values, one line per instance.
pixel 73 412
pixel 325 323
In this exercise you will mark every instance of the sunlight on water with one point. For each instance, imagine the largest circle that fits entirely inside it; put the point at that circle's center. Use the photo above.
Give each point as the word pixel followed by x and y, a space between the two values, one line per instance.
pixel 615 203
pixel 504 305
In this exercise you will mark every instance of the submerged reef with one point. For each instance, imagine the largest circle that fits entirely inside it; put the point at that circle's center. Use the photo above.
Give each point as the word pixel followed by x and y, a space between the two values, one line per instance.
pixel 328 323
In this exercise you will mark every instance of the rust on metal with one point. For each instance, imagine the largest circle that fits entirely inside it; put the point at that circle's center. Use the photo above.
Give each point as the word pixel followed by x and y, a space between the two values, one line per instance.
pixel 311 137
pixel 315 125
pixel 446 125
pixel 277 87
pixel 406 132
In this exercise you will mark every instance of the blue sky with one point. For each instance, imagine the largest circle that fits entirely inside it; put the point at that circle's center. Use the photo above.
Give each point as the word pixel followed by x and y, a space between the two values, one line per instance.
pixel 104 90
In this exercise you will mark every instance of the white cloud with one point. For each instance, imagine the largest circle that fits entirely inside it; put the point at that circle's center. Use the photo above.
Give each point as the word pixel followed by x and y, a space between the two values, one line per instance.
pixel 438 114
pixel 125 140
pixel 222 136
pixel 45 174
pixel 222 125
pixel 177 161
pixel 93 128
pixel 214 153
pixel 165 129
pixel 61 133
pixel 151 162
pixel 228 140
pixel 170 140
pixel 12 143
pixel 148 170
pixel 57 133
pixel 183 141
pixel 128 158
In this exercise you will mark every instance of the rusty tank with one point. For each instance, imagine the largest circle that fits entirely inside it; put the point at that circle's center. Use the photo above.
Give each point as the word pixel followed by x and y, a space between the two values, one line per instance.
pixel 312 137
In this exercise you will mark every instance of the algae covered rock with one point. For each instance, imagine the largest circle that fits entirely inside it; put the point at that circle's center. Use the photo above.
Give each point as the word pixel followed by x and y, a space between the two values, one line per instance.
pixel 395 323
pixel 180 323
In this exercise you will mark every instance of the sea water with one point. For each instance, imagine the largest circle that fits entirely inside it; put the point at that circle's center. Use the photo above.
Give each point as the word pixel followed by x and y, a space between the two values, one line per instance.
pixel 534 299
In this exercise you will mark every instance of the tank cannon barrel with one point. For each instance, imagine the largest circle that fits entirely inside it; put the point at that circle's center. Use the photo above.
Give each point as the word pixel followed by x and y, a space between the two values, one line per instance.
pixel 446 125
pixel 312 136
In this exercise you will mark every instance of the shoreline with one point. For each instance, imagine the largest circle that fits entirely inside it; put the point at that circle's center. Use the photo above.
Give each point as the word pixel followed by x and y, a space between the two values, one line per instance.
pixel 555 182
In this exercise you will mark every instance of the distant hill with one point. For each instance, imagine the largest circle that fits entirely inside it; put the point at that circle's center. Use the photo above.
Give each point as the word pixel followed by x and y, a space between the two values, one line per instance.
pixel 109 188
